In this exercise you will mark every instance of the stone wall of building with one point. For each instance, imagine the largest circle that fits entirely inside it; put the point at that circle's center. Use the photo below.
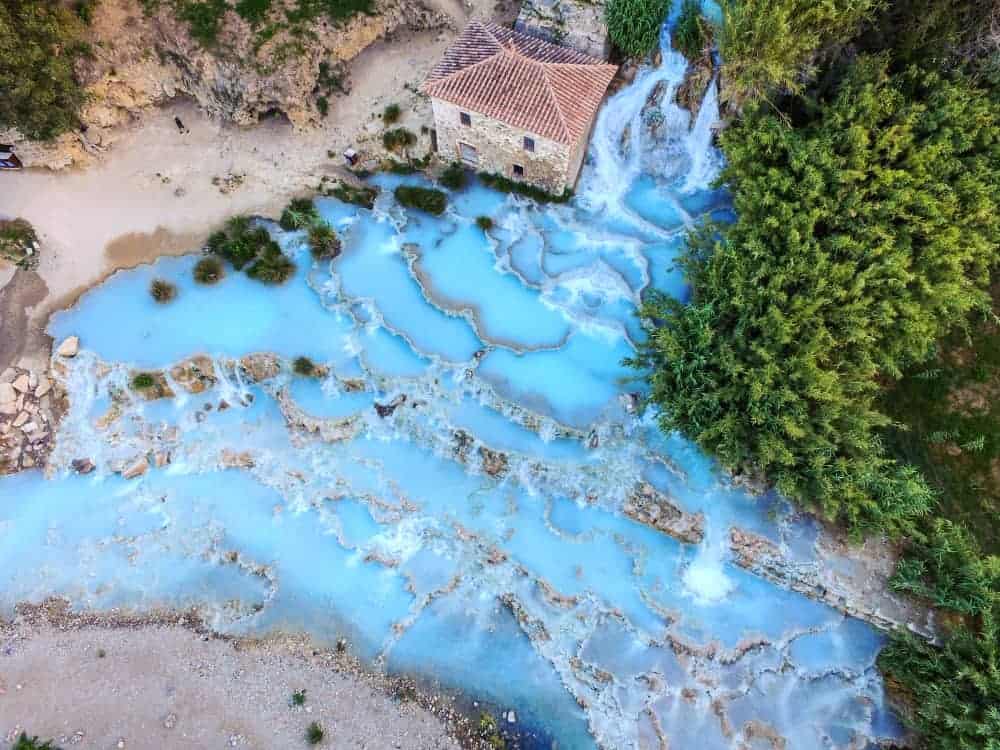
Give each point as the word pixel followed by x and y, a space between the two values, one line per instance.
pixel 500 147
pixel 578 24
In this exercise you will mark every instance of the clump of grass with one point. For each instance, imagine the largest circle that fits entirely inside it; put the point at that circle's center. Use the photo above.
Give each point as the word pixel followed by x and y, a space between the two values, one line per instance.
pixel 307 368
pixel 101 653
pixel 692 32
pixel 484 222
pixel 208 271
pixel 398 138
pixel 323 105
pixel 143 380
pixel 454 177
pixel 323 241
pixel 162 291
pixel 501 183
pixel 299 696
pixel 253 11
pixel 314 733
pixel 24 742
pixel 204 19
pixel 300 213
pixel 426 199
pixel 391 114
pixel 272 266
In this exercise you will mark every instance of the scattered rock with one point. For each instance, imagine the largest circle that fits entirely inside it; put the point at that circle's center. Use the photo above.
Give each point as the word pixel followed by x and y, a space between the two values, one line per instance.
pixel 386 410
pixel 136 469
pixel 43 387
pixel 650 506
pixel 7 393
pixel 170 721
pixel 21 418
pixel 232 460
pixel 8 375
pixel 82 465
pixel 494 462
pixel 21 383
pixel 69 348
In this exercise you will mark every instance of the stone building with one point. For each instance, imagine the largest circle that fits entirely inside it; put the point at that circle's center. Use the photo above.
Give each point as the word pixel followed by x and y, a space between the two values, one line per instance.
pixel 511 104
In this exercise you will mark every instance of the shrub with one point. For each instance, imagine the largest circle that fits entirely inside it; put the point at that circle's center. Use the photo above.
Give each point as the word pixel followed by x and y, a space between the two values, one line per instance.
pixel 24 742
pixel 272 266
pixel 501 183
pixel 323 105
pixel 359 196
pixel 307 368
pixel 323 241
pixel 426 199
pixel 391 114
pixel 299 696
pixel 253 11
pixel 634 25
pixel 40 45
pixel 162 291
pixel 692 32
pixel 299 214
pixel 455 176
pixel 484 222
pixel 142 381
pixel 314 733
pixel 204 19
pixel 398 138
pixel 208 271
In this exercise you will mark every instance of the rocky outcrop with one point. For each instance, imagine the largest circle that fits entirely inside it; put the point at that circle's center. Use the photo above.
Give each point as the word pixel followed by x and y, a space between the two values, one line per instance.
pixel 578 24
pixel 854 581
pixel 145 58
pixel 697 77
pixel 649 506
pixel 30 407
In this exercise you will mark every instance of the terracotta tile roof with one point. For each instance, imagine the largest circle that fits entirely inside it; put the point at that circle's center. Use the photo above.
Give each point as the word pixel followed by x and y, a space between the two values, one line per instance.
pixel 526 82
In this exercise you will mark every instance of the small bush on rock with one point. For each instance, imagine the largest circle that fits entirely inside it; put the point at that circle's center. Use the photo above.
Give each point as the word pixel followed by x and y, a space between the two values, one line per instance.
pixel 24 742
pixel 299 696
pixel 142 381
pixel 360 196
pixel 314 733
pixel 692 32
pixel 307 368
pixel 426 199
pixel 162 291
pixel 391 114
pixel 634 25
pixel 484 222
pixel 323 241
pixel 208 271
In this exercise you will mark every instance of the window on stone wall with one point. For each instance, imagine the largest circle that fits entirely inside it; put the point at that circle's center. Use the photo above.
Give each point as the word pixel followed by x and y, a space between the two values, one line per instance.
pixel 529 144
pixel 465 118
pixel 518 170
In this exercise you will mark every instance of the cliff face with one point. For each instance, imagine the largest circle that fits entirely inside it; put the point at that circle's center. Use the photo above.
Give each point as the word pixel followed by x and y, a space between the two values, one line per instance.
pixel 142 60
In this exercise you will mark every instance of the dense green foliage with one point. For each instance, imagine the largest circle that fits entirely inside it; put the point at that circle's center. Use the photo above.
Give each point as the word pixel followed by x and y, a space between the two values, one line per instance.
pixel 391 114
pixel 946 415
pixel 40 44
pixel 314 733
pixel 426 199
pixel 18 241
pixel 307 368
pixel 634 25
pixel 692 32
pixel 358 195
pixel 245 245
pixel 204 18
pixel 951 692
pixel 770 45
pixel 272 266
pixel 143 380
pixel 863 234
pixel 505 185
pixel 454 176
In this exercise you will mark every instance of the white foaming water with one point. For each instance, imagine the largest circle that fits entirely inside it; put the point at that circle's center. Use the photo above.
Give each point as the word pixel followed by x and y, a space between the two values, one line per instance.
pixel 705 162
pixel 473 531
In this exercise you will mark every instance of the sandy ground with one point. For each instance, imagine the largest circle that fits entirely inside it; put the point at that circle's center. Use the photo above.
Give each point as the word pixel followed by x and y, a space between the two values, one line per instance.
pixel 165 686
pixel 160 191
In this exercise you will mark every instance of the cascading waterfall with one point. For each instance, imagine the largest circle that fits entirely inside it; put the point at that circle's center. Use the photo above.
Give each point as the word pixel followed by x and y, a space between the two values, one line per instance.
pixel 453 494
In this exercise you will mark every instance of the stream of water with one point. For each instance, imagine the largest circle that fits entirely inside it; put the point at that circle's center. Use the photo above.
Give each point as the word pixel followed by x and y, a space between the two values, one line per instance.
pixel 471 533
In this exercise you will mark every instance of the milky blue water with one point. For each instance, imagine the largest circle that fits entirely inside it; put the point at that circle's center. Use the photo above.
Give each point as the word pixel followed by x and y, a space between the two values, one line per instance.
pixel 526 587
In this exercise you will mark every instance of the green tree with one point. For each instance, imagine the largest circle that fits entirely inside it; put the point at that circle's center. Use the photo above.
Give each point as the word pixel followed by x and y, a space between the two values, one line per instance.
pixel 40 43
pixel 634 25
pixel 951 691
pixel 863 234
pixel 770 46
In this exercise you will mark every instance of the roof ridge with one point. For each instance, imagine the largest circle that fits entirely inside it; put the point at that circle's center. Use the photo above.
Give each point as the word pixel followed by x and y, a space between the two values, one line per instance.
pixel 555 101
